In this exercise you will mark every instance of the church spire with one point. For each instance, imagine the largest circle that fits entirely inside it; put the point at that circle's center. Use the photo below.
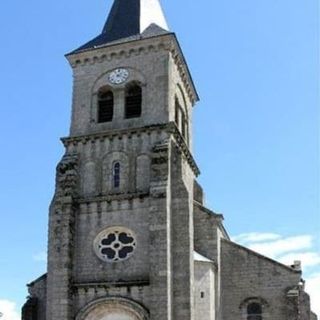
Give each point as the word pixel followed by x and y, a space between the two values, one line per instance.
pixel 129 18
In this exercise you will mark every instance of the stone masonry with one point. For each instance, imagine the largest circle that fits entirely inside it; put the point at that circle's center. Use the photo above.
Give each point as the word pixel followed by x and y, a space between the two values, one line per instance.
pixel 130 237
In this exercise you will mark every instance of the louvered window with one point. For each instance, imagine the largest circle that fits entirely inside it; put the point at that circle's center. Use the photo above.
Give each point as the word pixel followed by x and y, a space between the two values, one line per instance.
pixel 133 102
pixel 105 107
pixel 254 311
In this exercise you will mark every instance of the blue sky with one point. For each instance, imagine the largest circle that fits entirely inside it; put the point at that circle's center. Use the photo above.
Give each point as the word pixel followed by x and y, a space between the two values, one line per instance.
pixel 255 64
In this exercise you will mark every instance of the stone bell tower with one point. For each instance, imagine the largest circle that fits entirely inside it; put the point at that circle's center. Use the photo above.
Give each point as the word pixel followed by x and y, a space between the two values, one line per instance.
pixel 130 237
pixel 121 224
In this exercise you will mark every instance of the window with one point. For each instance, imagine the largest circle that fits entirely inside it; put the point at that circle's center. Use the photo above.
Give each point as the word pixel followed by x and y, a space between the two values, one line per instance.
pixel 133 102
pixel 187 133
pixel 116 175
pixel 181 120
pixel 115 244
pixel 254 311
pixel 176 113
pixel 105 107
pixel 183 124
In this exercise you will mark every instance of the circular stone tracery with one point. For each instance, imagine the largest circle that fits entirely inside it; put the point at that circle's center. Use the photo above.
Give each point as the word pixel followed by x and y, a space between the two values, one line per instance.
pixel 115 244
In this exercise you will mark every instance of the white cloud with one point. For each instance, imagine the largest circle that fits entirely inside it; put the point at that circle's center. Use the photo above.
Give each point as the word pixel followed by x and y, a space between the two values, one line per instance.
pixel 313 288
pixel 8 310
pixel 275 249
pixel 283 249
pixel 255 237
pixel 308 259
pixel 41 257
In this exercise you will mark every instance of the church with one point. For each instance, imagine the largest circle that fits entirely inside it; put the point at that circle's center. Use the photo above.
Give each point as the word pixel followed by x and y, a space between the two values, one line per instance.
pixel 130 237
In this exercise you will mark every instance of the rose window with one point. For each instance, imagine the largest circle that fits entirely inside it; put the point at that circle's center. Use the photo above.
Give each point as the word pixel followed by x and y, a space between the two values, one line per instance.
pixel 115 244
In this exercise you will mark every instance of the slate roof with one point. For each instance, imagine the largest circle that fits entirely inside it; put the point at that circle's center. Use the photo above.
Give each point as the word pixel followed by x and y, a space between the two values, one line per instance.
pixel 126 22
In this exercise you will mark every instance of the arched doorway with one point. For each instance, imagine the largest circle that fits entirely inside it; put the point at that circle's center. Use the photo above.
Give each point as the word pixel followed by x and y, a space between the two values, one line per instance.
pixel 111 315
pixel 113 309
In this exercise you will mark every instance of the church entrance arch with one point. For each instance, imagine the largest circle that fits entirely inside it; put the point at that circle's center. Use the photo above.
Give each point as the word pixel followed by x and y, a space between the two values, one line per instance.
pixel 113 309
pixel 111 315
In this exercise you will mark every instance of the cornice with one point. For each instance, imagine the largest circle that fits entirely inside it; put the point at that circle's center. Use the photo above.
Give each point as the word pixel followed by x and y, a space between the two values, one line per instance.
pixel 41 278
pixel 113 197
pixel 111 134
pixel 134 283
pixel 119 50
pixel 170 127
pixel 182 65
pixel 218 216
pixel 210 212
pixel 136 47
pixel 181 143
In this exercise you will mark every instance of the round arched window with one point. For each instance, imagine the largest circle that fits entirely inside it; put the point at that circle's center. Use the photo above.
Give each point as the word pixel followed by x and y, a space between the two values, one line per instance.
pixel 254 311
pixel 115 244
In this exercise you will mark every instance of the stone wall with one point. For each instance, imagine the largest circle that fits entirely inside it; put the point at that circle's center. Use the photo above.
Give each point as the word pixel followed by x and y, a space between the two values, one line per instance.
pixel 248 276
pixel 181 188
pixel 154 63
pixel 208 232
pixel 204 290
pixel 85 295
pixel 35 307
pixel 97 153
pixel 304 305
pixel 99 215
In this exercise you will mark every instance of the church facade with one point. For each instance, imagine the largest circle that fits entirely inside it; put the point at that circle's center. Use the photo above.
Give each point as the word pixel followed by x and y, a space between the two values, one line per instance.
pixel 130 237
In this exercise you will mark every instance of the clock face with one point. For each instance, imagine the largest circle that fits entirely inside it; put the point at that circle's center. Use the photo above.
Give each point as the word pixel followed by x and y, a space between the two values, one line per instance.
pixel 118 76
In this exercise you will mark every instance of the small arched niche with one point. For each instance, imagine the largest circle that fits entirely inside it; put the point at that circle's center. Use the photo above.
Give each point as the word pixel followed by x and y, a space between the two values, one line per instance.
pixel 89 181
pixel 143 173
